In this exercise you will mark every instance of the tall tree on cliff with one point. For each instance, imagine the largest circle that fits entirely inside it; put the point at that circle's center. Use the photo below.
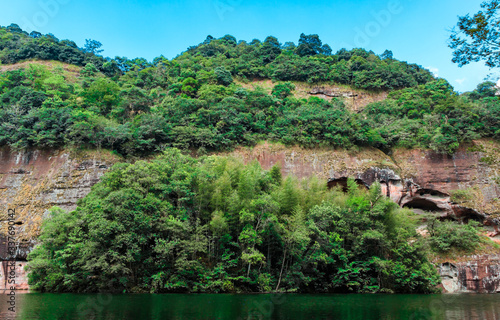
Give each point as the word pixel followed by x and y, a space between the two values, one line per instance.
pixel 477 37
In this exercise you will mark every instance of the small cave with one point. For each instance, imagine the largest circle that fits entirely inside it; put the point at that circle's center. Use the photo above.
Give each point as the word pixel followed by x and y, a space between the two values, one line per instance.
pixel 467 214
pixel 432 192
pixel 422 204
pixel 342 182
pixel 448 270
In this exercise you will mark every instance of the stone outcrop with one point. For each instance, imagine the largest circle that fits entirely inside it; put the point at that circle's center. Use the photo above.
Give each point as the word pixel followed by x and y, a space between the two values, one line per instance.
pixel 478 274
pixel 333 93
pixel 354 99
pixel 33 182
pixel 421 180
pixel 13 276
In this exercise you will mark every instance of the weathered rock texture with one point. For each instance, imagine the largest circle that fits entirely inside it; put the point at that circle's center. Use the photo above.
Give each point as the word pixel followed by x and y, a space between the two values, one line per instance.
pixel 16 275
pixel 33 182
pixel 412 178
pixel 354 99
pixel 479 274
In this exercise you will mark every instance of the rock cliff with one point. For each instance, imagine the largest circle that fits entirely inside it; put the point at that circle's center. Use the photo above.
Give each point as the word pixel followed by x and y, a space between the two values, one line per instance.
pixel 32 182
pixel 477 274
pixel 416 179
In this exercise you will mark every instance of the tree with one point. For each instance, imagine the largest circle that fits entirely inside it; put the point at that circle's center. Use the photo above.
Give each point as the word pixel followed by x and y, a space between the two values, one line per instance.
pixel 477 37
pixel 35 34
pixel 387 55
pixel 229 40
pixel 310 45
pixel 15 28
pixel 223 76
pixel 326 50
pixel 288 46
pixel 270 49
pixel 208 39
pixel 486 89
pixel 92 46
pixel 283 90
pixel 190 86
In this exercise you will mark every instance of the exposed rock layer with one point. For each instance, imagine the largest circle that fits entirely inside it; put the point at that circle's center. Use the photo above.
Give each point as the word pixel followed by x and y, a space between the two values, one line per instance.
pixel 13 276
pixel 480 274
pixel 407 176
pixel 32 182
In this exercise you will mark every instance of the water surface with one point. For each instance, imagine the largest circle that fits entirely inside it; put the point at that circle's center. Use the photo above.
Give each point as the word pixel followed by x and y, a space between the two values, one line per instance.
pixel 36 306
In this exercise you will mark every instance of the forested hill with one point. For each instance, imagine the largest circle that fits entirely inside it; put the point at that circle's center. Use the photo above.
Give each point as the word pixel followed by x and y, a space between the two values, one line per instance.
pixel 201 99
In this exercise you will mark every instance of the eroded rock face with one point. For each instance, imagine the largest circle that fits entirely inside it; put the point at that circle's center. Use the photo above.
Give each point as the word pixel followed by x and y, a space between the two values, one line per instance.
pixel 13 275
pixel 421 180
pixel 476 166
pixel 480 274
pixel 355 99
pixel 33 182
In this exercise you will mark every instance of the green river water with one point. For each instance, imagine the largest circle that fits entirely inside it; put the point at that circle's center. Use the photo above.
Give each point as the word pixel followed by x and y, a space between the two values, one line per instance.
pixel 35 306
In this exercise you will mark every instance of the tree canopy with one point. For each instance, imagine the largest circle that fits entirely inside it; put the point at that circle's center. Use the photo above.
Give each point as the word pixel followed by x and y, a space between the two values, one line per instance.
pixel 204 100
pixel 477 37
pixel 178 224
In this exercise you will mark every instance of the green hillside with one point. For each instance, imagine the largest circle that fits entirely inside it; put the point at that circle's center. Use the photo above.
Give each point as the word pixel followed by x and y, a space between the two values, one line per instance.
pixel 178 223
pixel 197 101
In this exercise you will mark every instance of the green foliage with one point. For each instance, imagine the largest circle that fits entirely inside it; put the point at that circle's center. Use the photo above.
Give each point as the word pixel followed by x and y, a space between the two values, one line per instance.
pixel 486 89
pixel 17 45
pixel 477 37
pixel 310 45
pixel 136 107
pixel 283 90
pixel 92 46
pixel 176 224
pixel 462 195
pixel 449 235
pixel 223 76
pixel 433 116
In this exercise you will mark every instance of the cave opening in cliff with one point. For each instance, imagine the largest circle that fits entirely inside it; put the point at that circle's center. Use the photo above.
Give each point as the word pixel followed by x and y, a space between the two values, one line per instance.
pixel 422 204
pixel 342 182
pixel 467 214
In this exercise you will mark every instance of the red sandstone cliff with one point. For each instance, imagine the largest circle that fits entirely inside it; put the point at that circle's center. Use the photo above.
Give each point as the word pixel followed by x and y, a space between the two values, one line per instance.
pixel 32 182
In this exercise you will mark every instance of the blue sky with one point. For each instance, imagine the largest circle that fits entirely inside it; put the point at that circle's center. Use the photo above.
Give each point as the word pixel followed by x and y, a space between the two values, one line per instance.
pixel 415 30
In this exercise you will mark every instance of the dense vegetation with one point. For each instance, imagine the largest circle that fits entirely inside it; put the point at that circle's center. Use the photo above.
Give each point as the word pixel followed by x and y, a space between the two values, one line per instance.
pixel 446 236
pixel 17 45
pixel 212 224
pixel 197 101
pixel 178 224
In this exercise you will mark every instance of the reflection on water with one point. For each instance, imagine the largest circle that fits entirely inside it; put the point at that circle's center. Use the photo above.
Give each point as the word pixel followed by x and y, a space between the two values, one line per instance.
pixel 12 301
pixel 168 307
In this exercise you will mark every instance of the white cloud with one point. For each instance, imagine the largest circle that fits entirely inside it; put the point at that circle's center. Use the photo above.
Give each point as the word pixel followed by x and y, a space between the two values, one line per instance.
pixel 460 81
pixel 435 71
